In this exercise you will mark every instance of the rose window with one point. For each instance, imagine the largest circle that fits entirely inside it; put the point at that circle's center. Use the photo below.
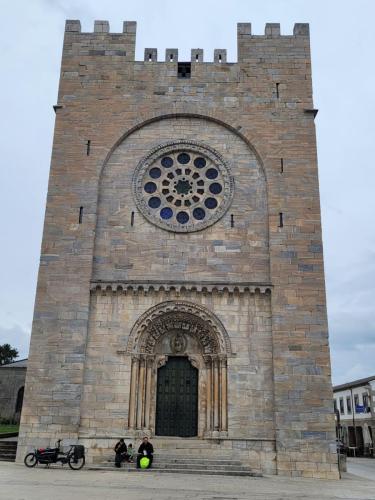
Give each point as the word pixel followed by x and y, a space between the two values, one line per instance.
pixel 183 186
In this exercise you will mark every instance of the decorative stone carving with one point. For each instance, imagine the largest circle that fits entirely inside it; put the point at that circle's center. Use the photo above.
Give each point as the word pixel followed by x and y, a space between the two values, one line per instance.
pixel 183 186
pixel 172 326
pixel 178 343
pixel 179 315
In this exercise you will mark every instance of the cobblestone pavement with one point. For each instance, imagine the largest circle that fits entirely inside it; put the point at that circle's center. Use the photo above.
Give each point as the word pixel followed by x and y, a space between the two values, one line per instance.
pixel 19 483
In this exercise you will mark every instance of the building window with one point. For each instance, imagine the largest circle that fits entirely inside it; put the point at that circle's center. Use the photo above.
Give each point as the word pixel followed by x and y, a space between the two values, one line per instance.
pixel 184 70
pixel 356 402
pixel 342 411
pixel 365 402
pixel 348 404
pixel 19 399
pixel 335 405
pixel 183 186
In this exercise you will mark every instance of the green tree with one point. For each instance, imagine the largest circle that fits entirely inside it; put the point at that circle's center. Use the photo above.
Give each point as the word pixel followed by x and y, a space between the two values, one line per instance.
pixel 7 354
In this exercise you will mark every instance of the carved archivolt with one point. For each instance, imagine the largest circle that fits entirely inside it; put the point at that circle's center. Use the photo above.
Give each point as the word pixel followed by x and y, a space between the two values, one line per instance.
pixel 181 316
pixel 179 328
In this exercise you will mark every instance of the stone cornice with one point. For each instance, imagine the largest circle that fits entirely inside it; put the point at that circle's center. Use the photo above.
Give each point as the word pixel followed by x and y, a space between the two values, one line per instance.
pixel 150 286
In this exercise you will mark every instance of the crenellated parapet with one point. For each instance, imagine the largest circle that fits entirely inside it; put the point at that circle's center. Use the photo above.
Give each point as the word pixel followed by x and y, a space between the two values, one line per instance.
pixel 101 42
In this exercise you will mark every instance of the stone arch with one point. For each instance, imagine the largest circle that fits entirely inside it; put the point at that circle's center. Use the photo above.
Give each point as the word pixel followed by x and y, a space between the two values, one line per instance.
pixel 146 120
pixel 118 214
pixel 200 322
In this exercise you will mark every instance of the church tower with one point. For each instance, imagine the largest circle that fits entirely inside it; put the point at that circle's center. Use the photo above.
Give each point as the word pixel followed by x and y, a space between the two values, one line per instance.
pixel 181 287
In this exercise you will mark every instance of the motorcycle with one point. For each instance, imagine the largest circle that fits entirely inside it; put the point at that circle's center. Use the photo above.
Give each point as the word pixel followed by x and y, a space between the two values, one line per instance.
pixel 74 457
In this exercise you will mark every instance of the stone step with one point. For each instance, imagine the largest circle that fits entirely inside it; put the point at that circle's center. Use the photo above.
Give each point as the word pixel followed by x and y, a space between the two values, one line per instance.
pixel 188 465
pixel 10 457
pixel 8 444
pixel 195 470
pixel 195 460
pixel 202 466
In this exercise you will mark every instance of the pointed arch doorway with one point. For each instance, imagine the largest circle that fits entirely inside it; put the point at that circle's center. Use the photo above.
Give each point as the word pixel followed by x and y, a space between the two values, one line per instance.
pixel 177 398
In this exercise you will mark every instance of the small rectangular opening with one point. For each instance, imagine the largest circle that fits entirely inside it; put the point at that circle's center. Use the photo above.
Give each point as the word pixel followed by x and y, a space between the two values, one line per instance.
pixel 196 57
pixel 80 217
pixel 184 70
pixel 281 165
pixel 88 145
pixel 232 220
pixel 132 219
pixel 281 219
pixel 277 90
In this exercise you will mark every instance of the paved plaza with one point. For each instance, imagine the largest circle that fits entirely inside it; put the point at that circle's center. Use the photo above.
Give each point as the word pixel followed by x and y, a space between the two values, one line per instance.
pixel 19 483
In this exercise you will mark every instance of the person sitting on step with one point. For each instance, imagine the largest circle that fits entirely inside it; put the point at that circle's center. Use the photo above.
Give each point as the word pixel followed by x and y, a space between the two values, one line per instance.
pixel 145 450
pixel 121 452
pixel 131 452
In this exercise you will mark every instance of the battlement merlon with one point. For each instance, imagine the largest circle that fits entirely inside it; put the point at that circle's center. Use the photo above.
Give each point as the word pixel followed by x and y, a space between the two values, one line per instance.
pixel 272 46
pixel 100 42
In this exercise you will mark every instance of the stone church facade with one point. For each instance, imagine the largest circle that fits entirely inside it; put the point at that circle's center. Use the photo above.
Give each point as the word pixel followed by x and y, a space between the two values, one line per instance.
pixel 181 287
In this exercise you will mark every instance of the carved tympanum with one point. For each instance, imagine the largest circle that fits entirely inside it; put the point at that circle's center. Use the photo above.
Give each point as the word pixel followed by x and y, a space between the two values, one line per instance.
pixel 171 317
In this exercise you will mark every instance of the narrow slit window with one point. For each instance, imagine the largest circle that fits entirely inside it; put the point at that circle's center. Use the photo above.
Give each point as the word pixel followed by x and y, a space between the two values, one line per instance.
pixel 80 217
pixel 196 57
pixel 220 58
pixel 281 165
pixel 132 219
pixel 88 146
pixel 170 57
pixel 150 57
pixel 232 220
pixel 277 90
pixel 281 219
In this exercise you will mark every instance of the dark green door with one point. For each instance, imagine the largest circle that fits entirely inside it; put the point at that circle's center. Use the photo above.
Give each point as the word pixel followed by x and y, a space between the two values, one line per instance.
pixel 177 399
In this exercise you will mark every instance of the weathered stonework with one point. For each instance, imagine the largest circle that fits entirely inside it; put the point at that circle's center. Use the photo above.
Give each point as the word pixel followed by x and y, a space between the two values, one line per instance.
pixel 252 281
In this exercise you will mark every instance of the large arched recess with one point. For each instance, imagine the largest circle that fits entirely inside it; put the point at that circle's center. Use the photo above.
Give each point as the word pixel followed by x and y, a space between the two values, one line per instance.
pixel 156 118
pixel 240 250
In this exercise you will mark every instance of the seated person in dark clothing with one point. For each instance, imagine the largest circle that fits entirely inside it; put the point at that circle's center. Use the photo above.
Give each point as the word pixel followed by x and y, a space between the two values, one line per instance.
pixel 121 452
pixel 145 450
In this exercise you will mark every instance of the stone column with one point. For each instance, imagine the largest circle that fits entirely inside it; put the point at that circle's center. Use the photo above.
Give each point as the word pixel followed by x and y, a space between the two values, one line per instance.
pixel 216 402
pixel 133 392
pixel 149 367
pixel 141 394
pixel 209 395
pixel 223 398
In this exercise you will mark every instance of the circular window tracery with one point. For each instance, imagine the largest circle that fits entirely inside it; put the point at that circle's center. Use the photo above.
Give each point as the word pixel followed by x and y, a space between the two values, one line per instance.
pixel 183 186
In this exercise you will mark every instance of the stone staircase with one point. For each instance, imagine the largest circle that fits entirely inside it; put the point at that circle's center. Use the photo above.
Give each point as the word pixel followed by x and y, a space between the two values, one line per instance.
pixel 185 465
pixel 8 451
pixel 184 457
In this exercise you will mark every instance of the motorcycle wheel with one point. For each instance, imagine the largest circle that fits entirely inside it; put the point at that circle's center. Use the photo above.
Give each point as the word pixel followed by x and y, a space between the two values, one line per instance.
pixel 30 460
pixel 76 463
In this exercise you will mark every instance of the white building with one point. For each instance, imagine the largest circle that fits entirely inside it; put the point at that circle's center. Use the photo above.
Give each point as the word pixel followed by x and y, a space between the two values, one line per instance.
pixel 354 404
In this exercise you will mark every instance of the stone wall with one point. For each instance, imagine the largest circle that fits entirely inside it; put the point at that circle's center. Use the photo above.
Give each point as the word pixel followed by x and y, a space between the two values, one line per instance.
pixel 265 101
pixel 11 381
pixel 246 317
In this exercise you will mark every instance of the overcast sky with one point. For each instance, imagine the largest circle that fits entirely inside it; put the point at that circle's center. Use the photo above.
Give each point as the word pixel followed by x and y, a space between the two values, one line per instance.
pixel 343 43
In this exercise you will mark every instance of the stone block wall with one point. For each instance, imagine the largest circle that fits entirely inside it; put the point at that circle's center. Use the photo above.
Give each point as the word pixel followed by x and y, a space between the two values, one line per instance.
pixel 11 381
pixel 107 105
